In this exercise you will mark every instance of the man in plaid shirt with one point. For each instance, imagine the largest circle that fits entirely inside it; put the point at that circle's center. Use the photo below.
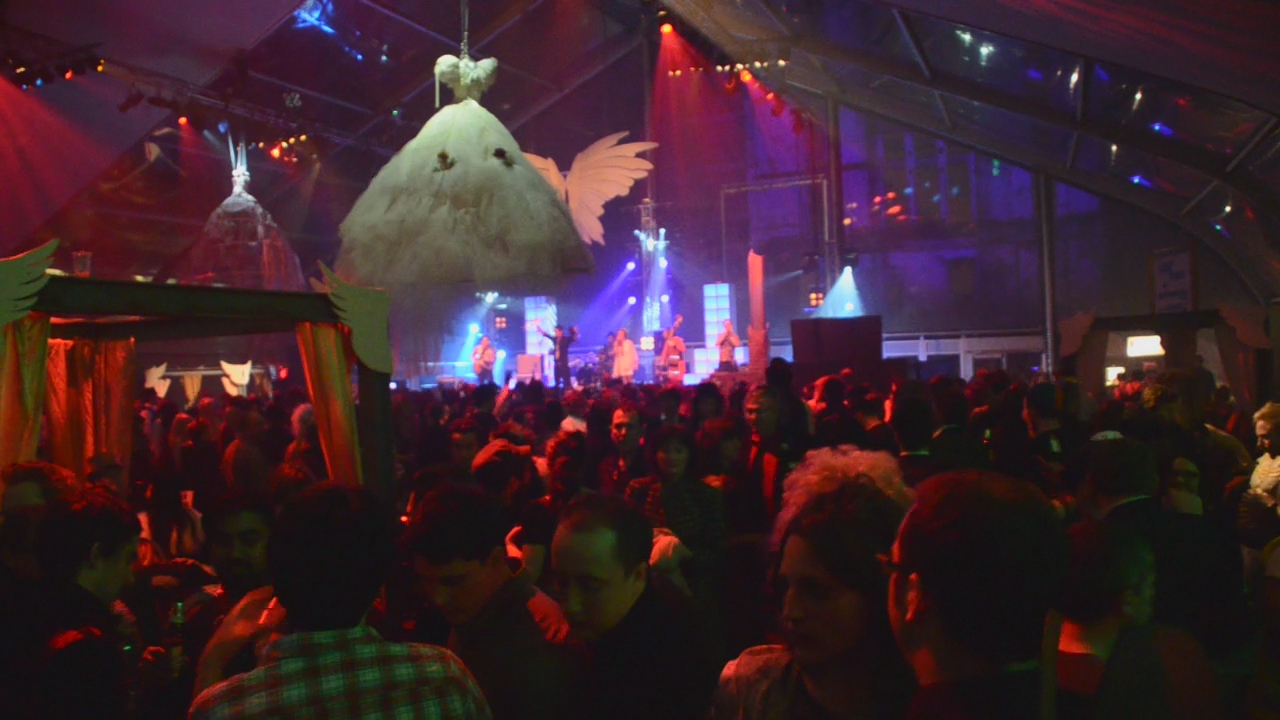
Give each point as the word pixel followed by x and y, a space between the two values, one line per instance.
pixel 329 555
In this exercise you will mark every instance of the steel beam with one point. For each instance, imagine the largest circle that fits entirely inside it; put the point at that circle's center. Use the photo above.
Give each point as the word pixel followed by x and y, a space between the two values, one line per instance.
pixel 1258 262
pixel 1206 162
pixel 619 51
pixel 308 92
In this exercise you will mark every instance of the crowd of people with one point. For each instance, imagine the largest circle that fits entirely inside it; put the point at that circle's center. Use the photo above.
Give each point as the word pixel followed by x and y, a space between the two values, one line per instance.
pixel 986 549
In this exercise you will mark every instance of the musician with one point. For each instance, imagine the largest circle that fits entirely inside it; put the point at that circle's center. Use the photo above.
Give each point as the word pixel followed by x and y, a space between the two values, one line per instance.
pixel 604 359
pixel 625 358
pixel 483 358
pixel 671 363
pixel 561 343
pixel 728 342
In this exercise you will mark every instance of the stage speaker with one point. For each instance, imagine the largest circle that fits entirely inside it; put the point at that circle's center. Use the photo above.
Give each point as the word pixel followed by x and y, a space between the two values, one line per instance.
pixel 825 346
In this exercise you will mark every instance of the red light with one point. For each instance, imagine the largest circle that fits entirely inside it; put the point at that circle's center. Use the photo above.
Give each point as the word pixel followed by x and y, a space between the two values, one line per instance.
pixel 667 28
pixel 745 75
pixel 893 210
pixel 770 97
pixel 877 199
pixel 183 120
pixel 283 373
pixel 890 195
pixel 69 75
pixel 275 152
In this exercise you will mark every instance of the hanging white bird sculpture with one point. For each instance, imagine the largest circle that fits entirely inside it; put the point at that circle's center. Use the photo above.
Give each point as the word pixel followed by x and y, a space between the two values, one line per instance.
pixel 602 172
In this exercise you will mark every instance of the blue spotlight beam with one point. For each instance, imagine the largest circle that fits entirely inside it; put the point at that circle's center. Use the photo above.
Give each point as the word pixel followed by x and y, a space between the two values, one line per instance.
pixel 843 299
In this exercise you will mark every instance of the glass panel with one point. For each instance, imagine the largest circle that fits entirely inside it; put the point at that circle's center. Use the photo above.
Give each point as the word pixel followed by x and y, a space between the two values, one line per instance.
pixel 1043 140
pixel 346 49
pixel 1027 71
pixel 1169 109
pixel 920 98
pixel 1139 168
pixel 854 24
pixel 1228 213
pixel 1266 162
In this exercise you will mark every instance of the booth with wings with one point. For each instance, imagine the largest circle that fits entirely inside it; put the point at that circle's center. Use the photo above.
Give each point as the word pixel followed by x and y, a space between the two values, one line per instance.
pixel 68 356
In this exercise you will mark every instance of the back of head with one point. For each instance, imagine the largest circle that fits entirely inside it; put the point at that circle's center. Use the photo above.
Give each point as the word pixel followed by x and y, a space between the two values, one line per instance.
pixel 989 552
pixel 953 406
pixel 869 404
pixel 71 529
pixel 485 395
pixel 1105 561
pixel 778 375
pixel 631 529
pixel 1121 468
pixel 1042 399
pixel 287 481
pixel 329 554
pixel 33 483
pixel 568 461
pixel 457 522
pixel 235 503
pixel 913 420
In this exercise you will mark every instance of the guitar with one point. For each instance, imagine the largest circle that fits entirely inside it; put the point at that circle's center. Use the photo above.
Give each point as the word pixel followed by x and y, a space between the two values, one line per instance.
pixel 483 359
pixel 673 352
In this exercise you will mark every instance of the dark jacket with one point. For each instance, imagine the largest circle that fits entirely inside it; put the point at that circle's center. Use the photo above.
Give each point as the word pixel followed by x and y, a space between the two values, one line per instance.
pixel 519 652
pixel 652 665
pixel 70 661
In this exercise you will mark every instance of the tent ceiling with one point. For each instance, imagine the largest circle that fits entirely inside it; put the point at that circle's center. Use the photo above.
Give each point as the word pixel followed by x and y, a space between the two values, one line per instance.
pixel 1207 161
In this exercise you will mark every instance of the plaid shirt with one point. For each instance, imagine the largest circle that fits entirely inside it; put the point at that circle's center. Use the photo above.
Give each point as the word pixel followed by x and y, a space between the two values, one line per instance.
pixel 347 674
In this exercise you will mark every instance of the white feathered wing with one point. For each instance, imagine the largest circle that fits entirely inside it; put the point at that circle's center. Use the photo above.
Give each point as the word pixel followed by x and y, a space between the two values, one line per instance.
pixel 602 172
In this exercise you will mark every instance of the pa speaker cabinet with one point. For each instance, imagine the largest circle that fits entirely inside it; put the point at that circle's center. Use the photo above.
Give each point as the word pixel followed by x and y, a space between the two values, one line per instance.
pixel 823 346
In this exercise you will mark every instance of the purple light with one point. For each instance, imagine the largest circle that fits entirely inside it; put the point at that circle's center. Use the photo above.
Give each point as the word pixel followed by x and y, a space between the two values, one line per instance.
pixel 1164 130
pixel 1035 74
pixel 1139 180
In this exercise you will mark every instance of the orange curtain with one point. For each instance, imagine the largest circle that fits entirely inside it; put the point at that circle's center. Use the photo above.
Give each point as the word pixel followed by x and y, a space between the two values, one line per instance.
pixel 327 361
pixel 92 387
pixel 24 348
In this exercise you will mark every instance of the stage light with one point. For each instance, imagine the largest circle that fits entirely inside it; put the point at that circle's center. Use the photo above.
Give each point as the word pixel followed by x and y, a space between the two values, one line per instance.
pixel 473 328
pixel 662 262
pixel 68 75
pixel 631 300
pixel 293 140
pixel 848 307
pixel 502 354
pixel 631 264
pixel 223 127
pixel 770 96
pixel 102 64
pixel 394 385
pixel 275 152
pixel 667 28
pixel 782 63
pixel 302 137
pixel 745 75
pixel 182 120
pixel 665 298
